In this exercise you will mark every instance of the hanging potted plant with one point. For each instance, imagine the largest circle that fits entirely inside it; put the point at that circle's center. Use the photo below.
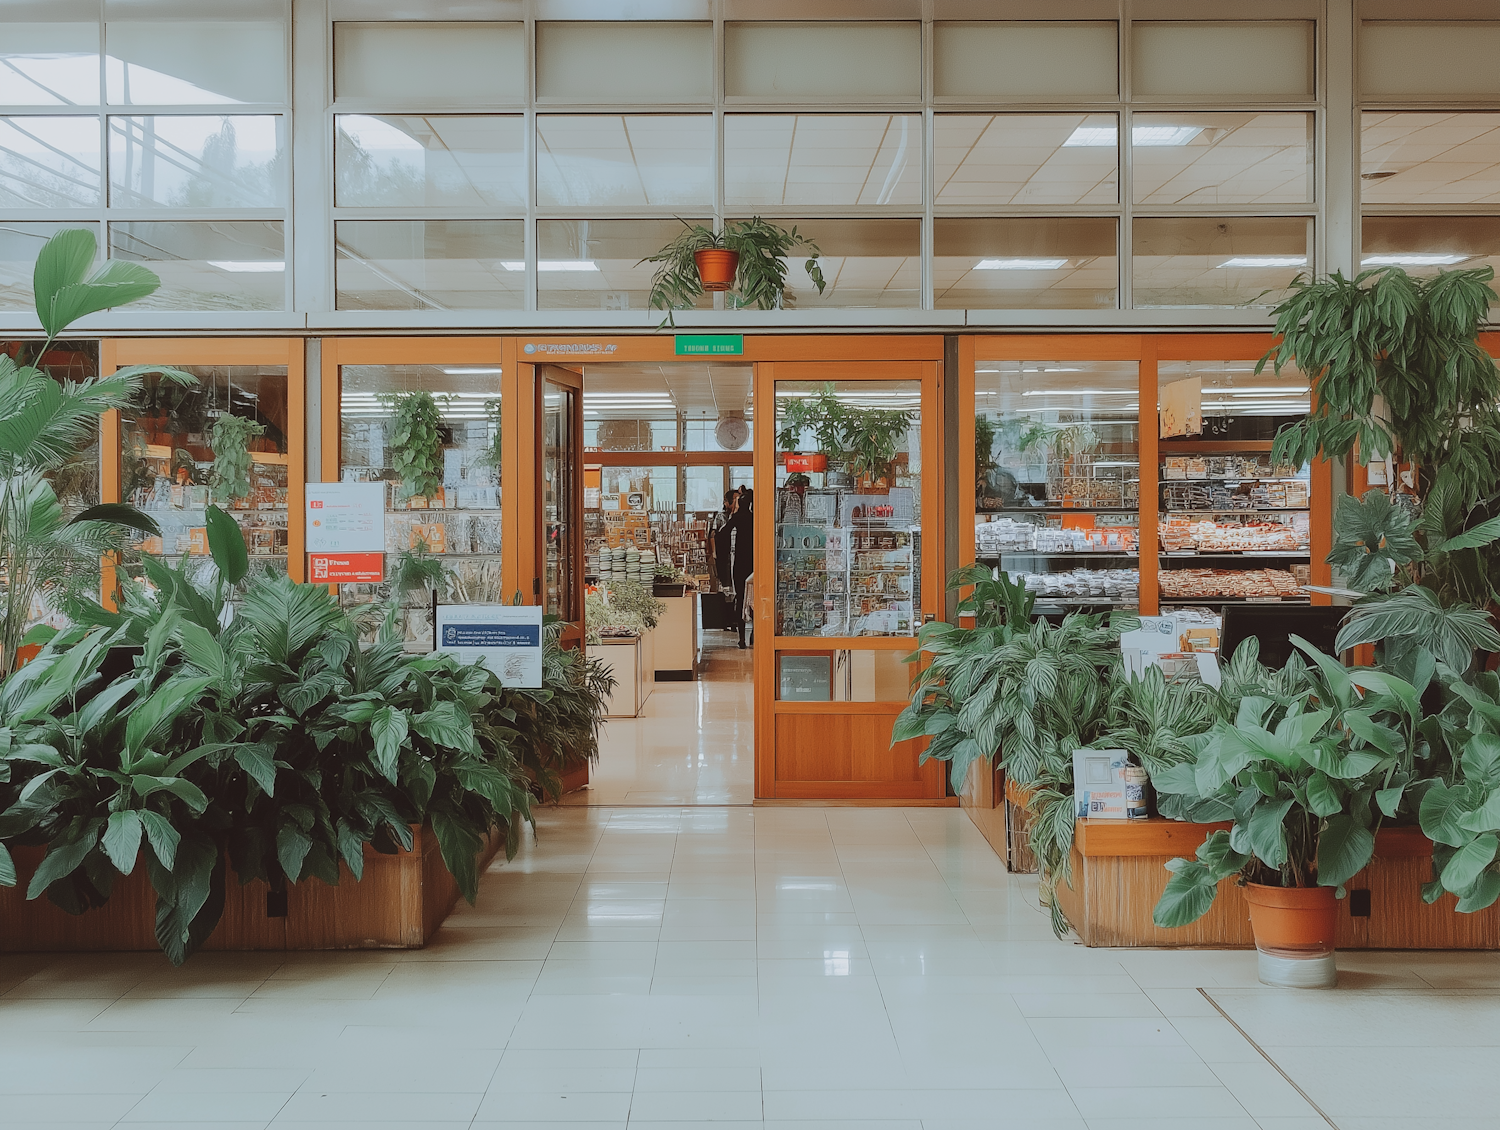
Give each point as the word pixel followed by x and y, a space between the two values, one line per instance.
pixel 825 416
pixel 230 438
pixel 746 259
pixel 873 437
pixel 1306 790
pixel 416 446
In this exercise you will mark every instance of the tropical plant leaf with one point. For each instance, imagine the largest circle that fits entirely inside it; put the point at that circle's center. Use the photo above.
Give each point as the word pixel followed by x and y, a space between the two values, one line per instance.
pixel 1371 538
pixel 122 840
pixel 226 545
pixel 1189 894
pixel 7 868
pixel 118 514
pixel 1463 870
pixel 389 729
pixel 1344 849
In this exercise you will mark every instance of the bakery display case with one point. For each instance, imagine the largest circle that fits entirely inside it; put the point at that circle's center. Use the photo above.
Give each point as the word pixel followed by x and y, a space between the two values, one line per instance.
pixel 431 435
pixel 222 440
pixel 1232 525
pixel 848 520
pixel 1058 479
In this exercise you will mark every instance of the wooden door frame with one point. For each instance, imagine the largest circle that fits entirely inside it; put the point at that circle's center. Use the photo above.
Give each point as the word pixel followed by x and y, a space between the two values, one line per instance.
pixel 929 372
pixel 1148 350
pixel 573 630
pixel 117 353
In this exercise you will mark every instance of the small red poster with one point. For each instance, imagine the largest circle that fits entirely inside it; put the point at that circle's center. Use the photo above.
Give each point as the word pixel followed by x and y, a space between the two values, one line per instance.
pixel 325 568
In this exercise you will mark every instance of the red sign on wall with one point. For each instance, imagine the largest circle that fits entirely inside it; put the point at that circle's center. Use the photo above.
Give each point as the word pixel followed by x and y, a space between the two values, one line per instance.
pixel 328 568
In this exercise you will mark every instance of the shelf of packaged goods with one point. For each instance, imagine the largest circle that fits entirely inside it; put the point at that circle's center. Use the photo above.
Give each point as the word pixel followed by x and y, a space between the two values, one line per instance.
pixel 1193 555
pixel 1233 512
pixel 1214 446
pixel 1070 556
pixel 1132 602
pixel 1061 510
pixel 438 510
pixel 1165 482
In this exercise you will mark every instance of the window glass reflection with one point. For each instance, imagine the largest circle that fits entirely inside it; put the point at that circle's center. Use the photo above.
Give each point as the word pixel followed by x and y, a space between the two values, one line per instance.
pixel 19 245
pixel 596 264
pixel 1199 158
pixel 1049 263
pixel 197 161
pixel 429 264
pixel 624 159
pixel 1025 159
pixel 49 64
pixel 438 160
pixel 822 159
pixel 49 162
pixel 207 265
pixel 1430 158
pixel 1208 261
pixel 193 63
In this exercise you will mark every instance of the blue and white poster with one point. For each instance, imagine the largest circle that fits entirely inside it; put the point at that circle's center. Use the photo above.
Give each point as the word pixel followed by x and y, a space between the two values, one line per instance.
pixel 506 638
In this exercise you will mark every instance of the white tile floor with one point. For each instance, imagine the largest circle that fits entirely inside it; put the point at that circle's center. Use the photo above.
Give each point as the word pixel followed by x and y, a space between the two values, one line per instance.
pixel 814 968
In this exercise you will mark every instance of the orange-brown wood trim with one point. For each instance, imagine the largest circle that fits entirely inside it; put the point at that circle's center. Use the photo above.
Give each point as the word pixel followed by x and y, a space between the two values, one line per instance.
pixel 1158 837
pixel 1320 526
pixel 763 616
pixel 296 452
pixel 967 456
pixel 668 459
pixel 839 708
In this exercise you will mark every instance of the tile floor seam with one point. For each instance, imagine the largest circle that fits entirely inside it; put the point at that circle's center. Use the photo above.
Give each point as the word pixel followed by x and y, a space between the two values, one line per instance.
pixel 1267 1057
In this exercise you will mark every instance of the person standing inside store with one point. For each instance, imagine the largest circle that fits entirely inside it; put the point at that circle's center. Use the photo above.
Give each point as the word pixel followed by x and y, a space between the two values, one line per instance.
pixel 723 539
pixel 743 553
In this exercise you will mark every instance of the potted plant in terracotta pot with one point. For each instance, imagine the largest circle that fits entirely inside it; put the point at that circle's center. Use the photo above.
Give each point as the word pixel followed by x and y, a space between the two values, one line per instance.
pixel 746 259
pixel 1306 771
pixel 827 418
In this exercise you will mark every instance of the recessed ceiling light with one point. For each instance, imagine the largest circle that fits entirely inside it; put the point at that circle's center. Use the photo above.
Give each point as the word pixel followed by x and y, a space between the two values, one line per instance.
pixel 470 372
pixel 248 266
pixel 1266 261
pixel 552 265
pixel 1101 136
pixel 1437 259
pixel 1020 264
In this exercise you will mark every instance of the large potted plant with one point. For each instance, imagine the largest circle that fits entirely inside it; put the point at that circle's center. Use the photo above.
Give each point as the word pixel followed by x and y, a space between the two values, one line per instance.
pixel 826 418
pixel 746 259
pixel 1306 771
pixel 416 444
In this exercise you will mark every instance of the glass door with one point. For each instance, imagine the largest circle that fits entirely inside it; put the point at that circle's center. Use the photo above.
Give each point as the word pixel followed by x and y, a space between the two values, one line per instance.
pixel 560 477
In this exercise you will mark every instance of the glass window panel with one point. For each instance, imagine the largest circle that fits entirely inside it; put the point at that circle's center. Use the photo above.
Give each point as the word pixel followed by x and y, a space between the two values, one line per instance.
pixel 429 264
pixel 823 160
pixel 849 535
pixel 596 264
pixel 559 495
pixel 621 160
pixel 1058 478
pixel 866 61
pixel 49 64
pixel 207 161
pixel 703 490
pixel 1206 158
pixel 207 265
pixel 185 63
pixel 844 675
pixel 167 459
pixel 19 245
pixel 414 65
pixel 1425 245
pixel 646 61
pixel 76 481
pixel 1223 59
pixel 1041 262
pixel 1429 158
pixel 1053 62
pixel 430 160
pixel 49 162
pixel 865 263
pixel 1425 60
pixel 657 487
pixel 460 525
pixel 999 159
pixel 1207 261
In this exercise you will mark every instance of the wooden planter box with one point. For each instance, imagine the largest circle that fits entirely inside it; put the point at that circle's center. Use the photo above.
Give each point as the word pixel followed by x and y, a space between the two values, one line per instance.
pixel 1119 874
pixel 398 904
pixel 998 809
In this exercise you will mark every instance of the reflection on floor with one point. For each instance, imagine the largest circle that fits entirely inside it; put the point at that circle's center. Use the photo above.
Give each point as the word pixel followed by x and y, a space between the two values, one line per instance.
pixel 694 742
pixel 823 969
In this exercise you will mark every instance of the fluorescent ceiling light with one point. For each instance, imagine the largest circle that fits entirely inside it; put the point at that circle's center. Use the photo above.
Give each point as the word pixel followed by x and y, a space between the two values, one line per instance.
pixel 1020 264
pixel 1265 261
pixel 1435 260
pixel 248 266
pixel 552 265
pixel 1099 136
pixel 470 372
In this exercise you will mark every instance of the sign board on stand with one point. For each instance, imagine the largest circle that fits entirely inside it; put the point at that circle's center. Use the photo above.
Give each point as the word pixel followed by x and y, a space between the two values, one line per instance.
pixel 345 527
pixel 506 638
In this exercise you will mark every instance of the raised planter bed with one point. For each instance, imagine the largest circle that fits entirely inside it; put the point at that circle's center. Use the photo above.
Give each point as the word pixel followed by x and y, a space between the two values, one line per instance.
pixel 998 808
pixel 398 904
pixel 1119 873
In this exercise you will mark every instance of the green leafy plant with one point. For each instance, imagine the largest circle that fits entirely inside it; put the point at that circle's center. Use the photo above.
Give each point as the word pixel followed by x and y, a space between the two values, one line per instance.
pixel 984 449
pixel 873 437
pixel 44 422
pixel 1460 811
pixel 230 438
pixel 823 414
pixel 620 608
pixel 760 279
pixel 416 443
pixel 1306 776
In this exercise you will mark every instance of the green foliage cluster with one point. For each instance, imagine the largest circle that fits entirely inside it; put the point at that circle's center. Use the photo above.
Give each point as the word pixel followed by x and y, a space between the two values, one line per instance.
pixel 760 279
pixel 44 422
pixel 230 438
pixel 416 443
pixel 867 438
pixel 272 745
pixel 620 607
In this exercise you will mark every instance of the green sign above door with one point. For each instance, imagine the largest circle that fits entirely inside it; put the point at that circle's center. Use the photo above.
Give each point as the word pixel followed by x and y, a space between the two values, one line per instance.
pixel 699 345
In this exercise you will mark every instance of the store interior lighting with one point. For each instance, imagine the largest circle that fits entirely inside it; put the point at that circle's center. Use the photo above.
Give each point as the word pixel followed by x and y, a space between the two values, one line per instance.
pixel 1020 264
pixel 1245 261
pixel 1434 260
pixel 249 266
pixel 1098 136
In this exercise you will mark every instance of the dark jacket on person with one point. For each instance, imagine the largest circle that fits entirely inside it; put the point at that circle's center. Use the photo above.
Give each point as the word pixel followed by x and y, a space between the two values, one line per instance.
pixel 743 524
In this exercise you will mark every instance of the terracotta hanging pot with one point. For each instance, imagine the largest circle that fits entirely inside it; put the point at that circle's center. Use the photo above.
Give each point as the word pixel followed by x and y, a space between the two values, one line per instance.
pixel 1294 935
pixel 716 267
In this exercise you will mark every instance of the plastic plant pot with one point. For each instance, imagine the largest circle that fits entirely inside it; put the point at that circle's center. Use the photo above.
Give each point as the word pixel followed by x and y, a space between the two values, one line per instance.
pixel 716 267
pixel 1294 935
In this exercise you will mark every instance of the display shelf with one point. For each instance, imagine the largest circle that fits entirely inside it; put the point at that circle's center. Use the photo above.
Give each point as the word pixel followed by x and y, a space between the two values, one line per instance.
pixel 1193 554
pixel 1009 510
pixel 1216 601
pixel 1068 555
pixel 1232 510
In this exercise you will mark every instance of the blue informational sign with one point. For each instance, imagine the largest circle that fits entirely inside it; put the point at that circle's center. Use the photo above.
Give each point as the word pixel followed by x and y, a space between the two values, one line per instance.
pixel 506 638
